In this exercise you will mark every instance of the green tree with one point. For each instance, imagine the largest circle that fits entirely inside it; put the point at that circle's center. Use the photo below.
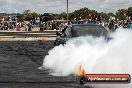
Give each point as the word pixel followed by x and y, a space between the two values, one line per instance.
pixel 83 13
pixel 63 15
pixel 121 14
pixel 104 16
pixel 111 14
pixel 93 12
pixel 129 11
pixel 20 17
pixel 30 16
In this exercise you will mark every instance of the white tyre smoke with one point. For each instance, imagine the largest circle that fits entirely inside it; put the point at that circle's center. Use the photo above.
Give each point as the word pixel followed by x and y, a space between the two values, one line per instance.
pixel 96 55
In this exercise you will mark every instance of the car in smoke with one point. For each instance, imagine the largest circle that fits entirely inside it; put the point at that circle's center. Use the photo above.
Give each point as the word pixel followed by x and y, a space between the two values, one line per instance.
pixel 76 30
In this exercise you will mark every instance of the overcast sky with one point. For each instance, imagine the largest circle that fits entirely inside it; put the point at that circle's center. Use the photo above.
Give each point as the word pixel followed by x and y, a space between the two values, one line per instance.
pixel 58 6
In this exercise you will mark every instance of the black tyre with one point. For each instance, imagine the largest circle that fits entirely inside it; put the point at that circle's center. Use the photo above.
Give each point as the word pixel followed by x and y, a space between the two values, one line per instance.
pixel 82 80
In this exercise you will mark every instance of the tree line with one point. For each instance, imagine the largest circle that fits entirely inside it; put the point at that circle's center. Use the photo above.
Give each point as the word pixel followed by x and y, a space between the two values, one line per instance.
pixel 83 13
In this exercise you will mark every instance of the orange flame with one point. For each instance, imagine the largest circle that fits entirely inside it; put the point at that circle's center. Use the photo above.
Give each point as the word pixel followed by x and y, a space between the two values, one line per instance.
pixel 81 71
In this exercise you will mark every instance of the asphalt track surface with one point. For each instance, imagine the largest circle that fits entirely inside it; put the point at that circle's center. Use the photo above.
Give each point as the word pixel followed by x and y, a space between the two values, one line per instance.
pixel 19 62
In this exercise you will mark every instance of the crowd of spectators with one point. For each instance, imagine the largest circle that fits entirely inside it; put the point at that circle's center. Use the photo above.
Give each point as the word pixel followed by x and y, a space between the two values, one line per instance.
pixel 7 23
pixel 112 25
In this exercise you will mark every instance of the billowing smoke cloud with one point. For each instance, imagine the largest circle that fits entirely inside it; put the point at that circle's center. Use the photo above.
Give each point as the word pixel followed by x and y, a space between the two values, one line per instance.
pixel 96 55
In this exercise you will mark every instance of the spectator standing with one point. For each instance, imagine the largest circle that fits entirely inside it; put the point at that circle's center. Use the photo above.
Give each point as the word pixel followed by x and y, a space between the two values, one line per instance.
pixel 18 27
pixel 53 26
pixel 130 24
pixel 26 27
pixel 29 27
pixel 3 19
pixel 111 25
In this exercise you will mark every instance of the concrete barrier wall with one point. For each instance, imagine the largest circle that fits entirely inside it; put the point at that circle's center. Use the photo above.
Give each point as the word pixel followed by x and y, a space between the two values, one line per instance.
pixel 27 36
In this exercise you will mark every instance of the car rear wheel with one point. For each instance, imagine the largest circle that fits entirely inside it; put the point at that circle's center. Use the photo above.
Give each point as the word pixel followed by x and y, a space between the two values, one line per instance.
pixel 82 80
